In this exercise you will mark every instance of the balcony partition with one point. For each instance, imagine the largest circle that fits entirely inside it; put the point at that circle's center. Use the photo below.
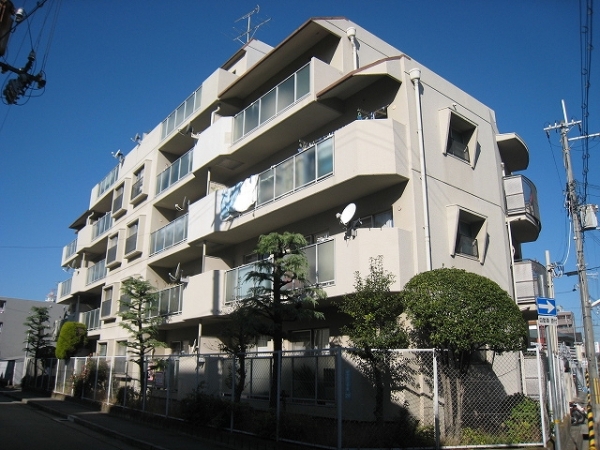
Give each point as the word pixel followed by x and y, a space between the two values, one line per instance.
pixel 174 172
pixel 169 235
pixel 282 96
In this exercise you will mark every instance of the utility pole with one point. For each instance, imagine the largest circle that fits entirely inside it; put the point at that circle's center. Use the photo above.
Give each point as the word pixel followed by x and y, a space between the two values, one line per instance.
pixel 575 212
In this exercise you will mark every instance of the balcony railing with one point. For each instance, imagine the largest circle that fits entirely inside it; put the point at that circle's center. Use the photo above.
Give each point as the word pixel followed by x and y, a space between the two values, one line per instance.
pixel 91 319
pixel 321 265
pixel 108 181
pixel 136 188
pixel 168 302
pixel 174 172
pixel 64 287
pixel 530 280
pixel 96 272
pixel 183 111
pixel 102 225
pixel 117 203
pixel 70 249
pixel 521 196
pixel 282 96
pixel 169 235
pixel 312 164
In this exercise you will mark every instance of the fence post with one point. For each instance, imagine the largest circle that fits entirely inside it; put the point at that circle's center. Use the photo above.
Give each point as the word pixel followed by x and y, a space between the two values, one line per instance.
pixel 338 395
pixel 110 380
pixel 233 381
pixel 170 369
pixel 278 395
pixel 436 400
pixel 96 377
pixel 144 381
pixel 538 358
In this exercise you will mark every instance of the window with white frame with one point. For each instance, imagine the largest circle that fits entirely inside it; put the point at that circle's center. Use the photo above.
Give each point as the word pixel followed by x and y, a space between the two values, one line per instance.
pixel 314 339
pixel 383 219
pixel 459 136
pixel 106 307
pixel 102 349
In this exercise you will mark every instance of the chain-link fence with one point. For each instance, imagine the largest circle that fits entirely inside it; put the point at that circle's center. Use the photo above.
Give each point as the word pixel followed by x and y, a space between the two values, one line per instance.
pixel 327 398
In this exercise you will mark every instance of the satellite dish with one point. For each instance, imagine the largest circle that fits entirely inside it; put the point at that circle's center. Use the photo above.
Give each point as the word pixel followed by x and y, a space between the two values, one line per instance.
pixel 177 276
pixel 347 214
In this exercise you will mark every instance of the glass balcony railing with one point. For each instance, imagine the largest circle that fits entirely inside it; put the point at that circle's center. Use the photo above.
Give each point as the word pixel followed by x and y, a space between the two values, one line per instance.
pixel 313 163
pixel 108 181
pixel 282 96
pixel 183 111
pixel 169 235
pixel 174 172
pixel 91 319
pixel 70 249
pixel 136 188
pixel 168 302
pixel 64 287
pixel 96 272
pixel 131 243
pixel 321 271
pixel 102 225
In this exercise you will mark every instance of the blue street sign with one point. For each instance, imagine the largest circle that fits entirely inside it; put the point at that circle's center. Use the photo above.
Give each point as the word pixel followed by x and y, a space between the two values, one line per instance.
pixel 546 306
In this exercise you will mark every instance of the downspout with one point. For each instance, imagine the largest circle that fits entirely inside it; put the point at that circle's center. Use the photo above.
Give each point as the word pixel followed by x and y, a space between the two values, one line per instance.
pixel 351 33
pixel 415 77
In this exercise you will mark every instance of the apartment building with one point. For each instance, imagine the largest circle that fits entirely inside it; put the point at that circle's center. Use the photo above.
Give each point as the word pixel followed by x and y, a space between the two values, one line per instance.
pixel 334 134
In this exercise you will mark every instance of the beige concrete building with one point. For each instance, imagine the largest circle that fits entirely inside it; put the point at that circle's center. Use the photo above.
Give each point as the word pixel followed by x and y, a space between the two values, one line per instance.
pixel 332 120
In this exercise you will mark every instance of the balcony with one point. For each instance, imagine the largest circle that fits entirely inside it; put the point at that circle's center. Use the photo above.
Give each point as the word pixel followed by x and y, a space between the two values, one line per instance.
pixel 174 172
pixel 91 319
pixel 64 288
pixel 314 180
pixel 96 272
pixel 522 208
pixel 102 225
pixel 168 302
pixel 530 282
pixel 321 270
pixel 69 250
pixel 169 235
pixel 106 182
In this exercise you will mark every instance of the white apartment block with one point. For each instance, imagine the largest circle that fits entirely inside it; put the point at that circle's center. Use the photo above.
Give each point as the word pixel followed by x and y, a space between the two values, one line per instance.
pixel 285 139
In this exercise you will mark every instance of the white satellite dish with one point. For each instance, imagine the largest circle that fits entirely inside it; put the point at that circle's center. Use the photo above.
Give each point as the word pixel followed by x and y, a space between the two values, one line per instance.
pixel 177 277
pixel 347 214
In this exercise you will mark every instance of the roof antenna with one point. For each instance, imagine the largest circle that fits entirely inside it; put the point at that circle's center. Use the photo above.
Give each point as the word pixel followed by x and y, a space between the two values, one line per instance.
pixel 250 30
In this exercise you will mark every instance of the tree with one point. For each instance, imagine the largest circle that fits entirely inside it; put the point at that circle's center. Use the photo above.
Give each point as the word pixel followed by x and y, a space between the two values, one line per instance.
pixel 38 338
pixel 140 320
pixel 461 313
pixel 375 328
pixel 282 291
pixel 71 339
pixel 237 337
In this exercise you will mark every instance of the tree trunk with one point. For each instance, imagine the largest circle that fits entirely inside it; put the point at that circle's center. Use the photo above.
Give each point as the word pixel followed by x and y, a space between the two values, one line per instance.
pixel 241 379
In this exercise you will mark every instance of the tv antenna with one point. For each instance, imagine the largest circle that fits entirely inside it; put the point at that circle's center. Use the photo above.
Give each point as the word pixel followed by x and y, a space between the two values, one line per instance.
pixel 250 30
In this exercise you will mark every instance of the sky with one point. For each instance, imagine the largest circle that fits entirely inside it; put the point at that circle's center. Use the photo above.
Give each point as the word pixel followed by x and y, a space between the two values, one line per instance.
pixel 115 69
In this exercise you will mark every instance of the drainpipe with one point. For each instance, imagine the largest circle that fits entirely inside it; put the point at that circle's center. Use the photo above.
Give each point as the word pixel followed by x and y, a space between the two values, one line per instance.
pixel 214 114
pixel 415 77
pixel 351 33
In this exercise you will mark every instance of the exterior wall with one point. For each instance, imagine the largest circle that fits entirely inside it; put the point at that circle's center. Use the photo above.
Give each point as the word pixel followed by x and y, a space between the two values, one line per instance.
pixel 375 164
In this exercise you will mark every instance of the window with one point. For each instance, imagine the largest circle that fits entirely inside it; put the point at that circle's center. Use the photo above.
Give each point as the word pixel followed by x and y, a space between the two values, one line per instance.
pixel 105 308
pixel 459 137
pixel 131 240
pixel 309 339
pixel 111 252
pixel 2 305
pixel 138 190
pixel 102 349
pixel 120 357
pixel 118 202
pixel 380 220
pixel 1 325
pixel 467 232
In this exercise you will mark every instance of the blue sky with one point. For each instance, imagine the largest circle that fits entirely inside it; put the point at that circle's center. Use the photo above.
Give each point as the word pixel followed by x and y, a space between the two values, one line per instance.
pixel 118 68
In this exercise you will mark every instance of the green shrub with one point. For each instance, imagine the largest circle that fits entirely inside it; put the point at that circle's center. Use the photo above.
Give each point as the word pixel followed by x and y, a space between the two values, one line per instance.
pixel 93 376
pixel 524 423
pixel 72 337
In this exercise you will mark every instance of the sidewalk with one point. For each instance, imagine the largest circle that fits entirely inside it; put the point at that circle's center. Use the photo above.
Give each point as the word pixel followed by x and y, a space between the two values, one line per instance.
pixel 145 435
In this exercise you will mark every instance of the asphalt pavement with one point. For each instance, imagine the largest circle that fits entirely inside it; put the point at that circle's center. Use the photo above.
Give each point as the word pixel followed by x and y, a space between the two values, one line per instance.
pixel 142 433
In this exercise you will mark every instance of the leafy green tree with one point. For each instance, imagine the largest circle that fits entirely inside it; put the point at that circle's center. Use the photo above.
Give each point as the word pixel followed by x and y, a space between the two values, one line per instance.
pixel 39 338
pixel 237 337
pixel 460 314
pixel 71 339
pixel 282 291
pixel 140 320
pixel 375 328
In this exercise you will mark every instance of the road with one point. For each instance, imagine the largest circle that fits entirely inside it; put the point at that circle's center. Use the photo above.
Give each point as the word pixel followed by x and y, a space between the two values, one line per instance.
pixel 24 427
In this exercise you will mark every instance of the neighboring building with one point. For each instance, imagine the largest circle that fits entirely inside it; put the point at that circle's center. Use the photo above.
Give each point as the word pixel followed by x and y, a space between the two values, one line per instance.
pixel 13 334
pixel 284 139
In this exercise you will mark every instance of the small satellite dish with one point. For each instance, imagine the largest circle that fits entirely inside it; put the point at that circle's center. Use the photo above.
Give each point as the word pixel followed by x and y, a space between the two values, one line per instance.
pixel 347 214
pixel 175 278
